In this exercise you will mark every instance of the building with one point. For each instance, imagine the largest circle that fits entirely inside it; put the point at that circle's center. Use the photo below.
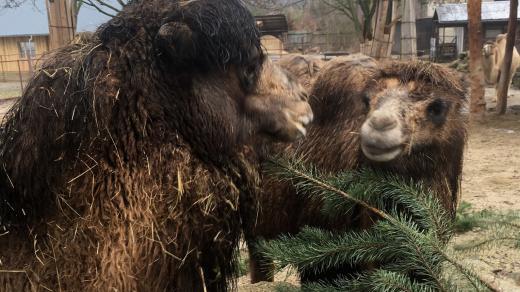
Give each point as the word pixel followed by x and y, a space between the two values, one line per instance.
pixel 24 35
pixel 273 29
pixel 450 26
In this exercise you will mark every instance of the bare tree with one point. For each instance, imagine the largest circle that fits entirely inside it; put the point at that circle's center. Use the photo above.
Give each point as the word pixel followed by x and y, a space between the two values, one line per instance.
pixel 63 16
pixel 505 70
pixel 361 12
pixel 14 3
pixel 102 6
pixel 477 101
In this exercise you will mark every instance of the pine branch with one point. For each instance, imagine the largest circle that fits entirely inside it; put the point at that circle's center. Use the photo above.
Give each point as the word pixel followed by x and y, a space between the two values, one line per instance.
pixel 316 250
pixel 313 183
pixel 378 280
pixel 409 239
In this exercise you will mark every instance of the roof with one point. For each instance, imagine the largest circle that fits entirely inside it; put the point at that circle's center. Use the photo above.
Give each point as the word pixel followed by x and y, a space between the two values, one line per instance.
pixel 272 24
pixel 458 13
pixel 30 19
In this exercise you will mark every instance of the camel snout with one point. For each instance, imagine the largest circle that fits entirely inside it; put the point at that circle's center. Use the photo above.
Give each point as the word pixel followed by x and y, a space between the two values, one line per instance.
pixel 381 137
pixel 383 122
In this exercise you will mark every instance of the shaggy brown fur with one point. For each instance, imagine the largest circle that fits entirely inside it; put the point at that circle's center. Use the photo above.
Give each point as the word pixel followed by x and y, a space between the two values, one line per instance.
pixel 361 107
pixel 124 167
pixel 304 67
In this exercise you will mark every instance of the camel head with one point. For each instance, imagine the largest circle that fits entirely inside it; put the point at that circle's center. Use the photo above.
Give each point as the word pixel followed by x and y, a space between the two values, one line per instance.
pixel 412 107
pixel 489 49
pixel 304 67
pixel 235 85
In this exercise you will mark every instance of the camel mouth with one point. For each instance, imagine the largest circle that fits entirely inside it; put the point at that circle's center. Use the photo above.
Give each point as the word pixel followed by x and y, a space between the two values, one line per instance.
pixel 381 154
pixel 300 122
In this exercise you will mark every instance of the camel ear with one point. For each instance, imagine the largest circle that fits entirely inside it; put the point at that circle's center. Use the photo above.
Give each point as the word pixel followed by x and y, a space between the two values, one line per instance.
pixel 314 67
pixel 310 65
pixel 177 41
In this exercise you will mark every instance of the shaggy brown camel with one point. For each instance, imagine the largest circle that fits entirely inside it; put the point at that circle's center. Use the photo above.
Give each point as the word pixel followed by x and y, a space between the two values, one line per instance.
pixel 130 156
pixel 396 117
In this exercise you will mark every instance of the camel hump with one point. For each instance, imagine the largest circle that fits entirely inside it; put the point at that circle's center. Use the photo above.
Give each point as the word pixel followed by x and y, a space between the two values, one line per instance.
pixel 501 37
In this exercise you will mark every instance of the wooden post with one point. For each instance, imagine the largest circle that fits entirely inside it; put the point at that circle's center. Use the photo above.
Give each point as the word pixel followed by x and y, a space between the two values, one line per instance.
pixel 20 76
pixel 477 106
pixel 378 49
pixel 505 70
pixel 62 22
pixel 3 68
pixel 396 16
pixel 28 54
pixel 408 31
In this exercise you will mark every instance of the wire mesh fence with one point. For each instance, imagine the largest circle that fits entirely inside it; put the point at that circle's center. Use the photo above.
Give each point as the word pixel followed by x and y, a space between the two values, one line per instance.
pixel 309 43
pixel 15 72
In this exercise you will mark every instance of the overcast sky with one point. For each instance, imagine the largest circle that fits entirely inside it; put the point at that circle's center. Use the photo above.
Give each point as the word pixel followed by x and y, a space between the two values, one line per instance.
pixel 30 19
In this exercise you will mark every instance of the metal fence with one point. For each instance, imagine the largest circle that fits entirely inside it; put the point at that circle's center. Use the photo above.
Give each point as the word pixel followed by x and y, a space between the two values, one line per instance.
pixel 15 72
pixel 319 41
pixel 310 42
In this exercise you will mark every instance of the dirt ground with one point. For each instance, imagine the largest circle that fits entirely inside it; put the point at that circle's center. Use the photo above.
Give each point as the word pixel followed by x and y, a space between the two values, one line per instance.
pixel 9 89
pixel 491 179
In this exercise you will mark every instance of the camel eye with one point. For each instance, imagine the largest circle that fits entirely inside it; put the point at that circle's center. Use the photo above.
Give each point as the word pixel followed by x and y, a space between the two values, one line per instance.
pixel 436 111
pixel 249 76
pixel 366 100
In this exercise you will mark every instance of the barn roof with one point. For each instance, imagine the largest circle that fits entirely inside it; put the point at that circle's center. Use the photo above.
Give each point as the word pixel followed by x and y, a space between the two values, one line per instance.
pixel 458 13
pixel 272 24
pixel 30 19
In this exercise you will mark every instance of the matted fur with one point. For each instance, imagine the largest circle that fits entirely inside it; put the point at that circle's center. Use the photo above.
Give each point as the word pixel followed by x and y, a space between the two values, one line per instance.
pixel 121 171
pixel 339 102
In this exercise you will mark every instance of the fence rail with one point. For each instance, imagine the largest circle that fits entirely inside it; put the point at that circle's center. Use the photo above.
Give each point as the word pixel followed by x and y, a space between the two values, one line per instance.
pixel 310 42
pixel 15 73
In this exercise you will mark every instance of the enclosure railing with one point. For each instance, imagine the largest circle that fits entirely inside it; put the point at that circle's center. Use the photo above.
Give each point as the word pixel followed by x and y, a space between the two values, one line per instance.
pixel 310 43
pixel 15 72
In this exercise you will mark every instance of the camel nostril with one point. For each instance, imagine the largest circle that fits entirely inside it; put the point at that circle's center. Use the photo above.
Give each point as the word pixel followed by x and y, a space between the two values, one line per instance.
pixel 383 122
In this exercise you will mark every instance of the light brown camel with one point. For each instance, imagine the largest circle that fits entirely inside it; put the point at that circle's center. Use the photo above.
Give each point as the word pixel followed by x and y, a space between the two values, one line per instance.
pixel 492 58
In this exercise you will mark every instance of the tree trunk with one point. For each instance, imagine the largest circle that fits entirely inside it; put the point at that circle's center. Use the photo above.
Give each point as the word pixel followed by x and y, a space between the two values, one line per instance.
pixel 62 22
pixel 395 16
pixel 505 70
pixel 408 31
pixel 378 47
pixel 477 102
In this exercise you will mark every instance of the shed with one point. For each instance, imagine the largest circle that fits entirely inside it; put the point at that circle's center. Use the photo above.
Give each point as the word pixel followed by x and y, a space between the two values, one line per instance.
pixel 275 25
pixel 451 26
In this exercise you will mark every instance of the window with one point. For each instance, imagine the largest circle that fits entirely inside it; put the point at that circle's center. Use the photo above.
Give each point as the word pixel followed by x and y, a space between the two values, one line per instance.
pixel 27 48
pixel 491 33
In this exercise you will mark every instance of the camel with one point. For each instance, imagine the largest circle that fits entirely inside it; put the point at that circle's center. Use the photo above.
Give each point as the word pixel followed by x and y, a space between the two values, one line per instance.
pixel 130 156
pixel 492 58
pixel 398 117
